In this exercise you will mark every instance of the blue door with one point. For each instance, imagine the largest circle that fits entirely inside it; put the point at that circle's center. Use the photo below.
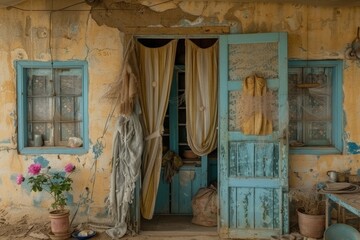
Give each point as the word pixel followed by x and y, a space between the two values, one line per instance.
pixel 253 165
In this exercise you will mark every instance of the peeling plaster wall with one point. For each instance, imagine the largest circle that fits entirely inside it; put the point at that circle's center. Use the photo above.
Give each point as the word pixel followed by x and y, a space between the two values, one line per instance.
pixel 72 35
pixel 313 33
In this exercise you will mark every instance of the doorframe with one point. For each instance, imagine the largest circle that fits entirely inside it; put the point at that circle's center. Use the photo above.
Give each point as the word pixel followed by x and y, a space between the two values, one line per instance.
pixel 136 208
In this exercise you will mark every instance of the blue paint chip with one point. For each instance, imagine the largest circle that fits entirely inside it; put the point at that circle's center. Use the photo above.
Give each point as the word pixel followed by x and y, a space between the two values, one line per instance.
pixel 69 198
pixel 37 203
pixel 42 161
pixel 98 149
pixel 353 148
pixel 5 141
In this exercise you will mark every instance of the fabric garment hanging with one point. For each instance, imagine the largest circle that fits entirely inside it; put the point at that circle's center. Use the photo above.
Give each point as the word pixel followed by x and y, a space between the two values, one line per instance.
pixel 126 161
pixel 156 67
pixel 201 90
pixel 254 107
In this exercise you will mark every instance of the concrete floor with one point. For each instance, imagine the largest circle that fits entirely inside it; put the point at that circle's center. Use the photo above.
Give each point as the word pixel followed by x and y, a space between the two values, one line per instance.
pixel 160 228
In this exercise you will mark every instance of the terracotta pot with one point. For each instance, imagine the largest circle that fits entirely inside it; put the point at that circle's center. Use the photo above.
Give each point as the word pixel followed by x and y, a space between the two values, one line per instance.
pixel 189 154
pixel 59 222
pixel 312 226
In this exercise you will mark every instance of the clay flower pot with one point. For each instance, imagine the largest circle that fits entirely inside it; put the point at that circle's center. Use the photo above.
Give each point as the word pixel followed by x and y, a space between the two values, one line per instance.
pixel 59 222
pixel 312 226
pixel 189 154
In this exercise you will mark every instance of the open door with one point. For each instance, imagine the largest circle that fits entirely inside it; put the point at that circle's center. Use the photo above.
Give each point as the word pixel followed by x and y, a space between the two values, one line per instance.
pixel 253 169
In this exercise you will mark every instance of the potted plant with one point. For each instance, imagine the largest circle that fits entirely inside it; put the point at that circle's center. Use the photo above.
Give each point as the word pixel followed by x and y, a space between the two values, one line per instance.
pixel 56 184
pixel 310 208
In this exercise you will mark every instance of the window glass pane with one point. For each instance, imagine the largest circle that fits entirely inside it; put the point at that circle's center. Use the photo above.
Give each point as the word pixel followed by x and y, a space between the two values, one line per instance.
pixel 70 108
pixel 40 108
pixel 46 130
pixel 316 106
pixel 317 133
pixel 69 130
pixel 51 102
pixel 40 82
pixel 310 93
pixel 48 136
pixel 36 128
pixel 70 81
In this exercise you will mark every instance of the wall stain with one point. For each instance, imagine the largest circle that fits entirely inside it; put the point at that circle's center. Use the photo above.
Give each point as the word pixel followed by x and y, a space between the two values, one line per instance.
pixel 98 149
pixel 297 174
pixel 84 203
pixel 353 148
pixel 5 141
pixel 42 161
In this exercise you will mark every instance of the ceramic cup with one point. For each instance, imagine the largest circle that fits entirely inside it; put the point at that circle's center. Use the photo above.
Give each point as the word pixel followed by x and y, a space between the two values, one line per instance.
pixel 38 140
pixel 333 176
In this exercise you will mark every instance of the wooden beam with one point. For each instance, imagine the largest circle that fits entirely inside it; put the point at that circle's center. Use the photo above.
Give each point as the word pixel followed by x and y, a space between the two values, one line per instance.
pixel 177 30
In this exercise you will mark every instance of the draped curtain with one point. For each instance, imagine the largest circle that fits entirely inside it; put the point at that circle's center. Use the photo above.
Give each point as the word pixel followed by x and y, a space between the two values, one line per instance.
pixel 156 73
pixel 201 79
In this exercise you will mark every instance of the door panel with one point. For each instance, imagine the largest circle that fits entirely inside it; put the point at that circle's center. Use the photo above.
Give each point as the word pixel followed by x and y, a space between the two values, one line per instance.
pixel 253 168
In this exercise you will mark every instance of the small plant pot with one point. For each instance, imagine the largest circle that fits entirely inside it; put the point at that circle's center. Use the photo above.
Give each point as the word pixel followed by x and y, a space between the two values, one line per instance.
pixel 188 154
pixel 59 222
pixel 312 226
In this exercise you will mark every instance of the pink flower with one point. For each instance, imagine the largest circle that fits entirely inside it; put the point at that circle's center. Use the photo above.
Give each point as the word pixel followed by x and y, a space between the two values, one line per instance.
pixel 35 168
pixel 69 168
pixel 19 179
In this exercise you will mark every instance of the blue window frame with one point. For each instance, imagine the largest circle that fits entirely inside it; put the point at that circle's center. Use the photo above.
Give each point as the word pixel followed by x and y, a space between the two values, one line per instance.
pixel 52 106
pixel 315 107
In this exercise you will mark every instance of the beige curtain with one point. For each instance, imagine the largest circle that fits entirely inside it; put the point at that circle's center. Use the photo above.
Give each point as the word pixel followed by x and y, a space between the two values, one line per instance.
pixel 201 87
pixel 156 72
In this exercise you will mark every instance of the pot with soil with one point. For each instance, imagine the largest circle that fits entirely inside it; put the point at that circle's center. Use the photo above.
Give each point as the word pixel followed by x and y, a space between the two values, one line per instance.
pixel 311 225
pixel 310 207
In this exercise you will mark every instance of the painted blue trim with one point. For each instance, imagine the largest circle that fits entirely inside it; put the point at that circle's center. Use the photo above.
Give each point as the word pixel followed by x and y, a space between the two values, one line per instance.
pixel 254 182
pixel 314 151
pixel 20 106
pixel 223 149
pixel 21 67
pixel 85 104
pixel 255 38
pixel 337 100
pixel 345 204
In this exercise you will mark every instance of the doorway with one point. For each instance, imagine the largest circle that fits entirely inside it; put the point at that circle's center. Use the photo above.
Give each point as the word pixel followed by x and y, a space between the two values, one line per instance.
pixel 173 208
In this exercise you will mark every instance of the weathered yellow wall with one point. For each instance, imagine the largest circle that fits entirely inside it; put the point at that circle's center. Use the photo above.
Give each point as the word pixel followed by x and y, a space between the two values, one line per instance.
pixel 313 33
pixel 25 35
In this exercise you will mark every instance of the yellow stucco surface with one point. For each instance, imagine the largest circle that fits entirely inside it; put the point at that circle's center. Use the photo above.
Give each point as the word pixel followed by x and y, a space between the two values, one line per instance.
pixel 313 33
